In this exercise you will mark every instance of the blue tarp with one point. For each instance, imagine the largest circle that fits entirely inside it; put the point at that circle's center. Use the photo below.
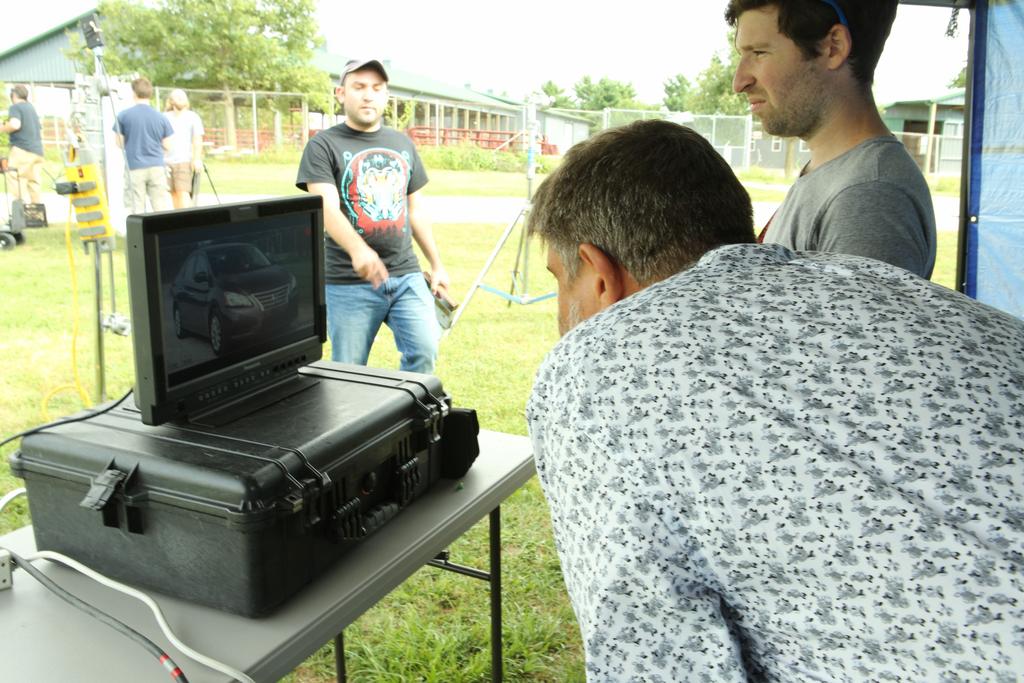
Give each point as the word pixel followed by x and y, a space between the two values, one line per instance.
pixel 994 268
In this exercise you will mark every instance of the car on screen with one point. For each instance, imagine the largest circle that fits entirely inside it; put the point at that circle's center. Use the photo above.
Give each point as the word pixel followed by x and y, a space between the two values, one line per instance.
pixel 231 294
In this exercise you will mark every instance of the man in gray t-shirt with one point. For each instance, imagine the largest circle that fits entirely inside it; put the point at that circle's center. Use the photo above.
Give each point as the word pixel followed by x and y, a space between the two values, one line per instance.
pixel 806 67
pixel 870 201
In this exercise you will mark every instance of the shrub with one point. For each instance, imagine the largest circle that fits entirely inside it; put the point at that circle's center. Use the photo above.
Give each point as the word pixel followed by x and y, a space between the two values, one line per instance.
pixel 469 157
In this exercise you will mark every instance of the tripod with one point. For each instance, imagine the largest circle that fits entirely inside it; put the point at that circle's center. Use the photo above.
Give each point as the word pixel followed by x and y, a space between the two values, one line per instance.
pixel 518 291
pixel 196 178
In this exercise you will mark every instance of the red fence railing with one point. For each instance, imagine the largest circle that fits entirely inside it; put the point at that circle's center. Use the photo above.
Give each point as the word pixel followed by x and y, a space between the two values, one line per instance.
pixel 424 136
pixel 217 138
pixel 507 140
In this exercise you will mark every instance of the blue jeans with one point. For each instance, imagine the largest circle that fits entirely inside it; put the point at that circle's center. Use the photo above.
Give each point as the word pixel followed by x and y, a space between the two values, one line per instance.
pixel 355 312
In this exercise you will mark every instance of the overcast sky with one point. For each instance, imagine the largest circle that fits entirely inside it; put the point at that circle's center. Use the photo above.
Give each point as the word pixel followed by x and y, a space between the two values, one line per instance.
pixel 515 50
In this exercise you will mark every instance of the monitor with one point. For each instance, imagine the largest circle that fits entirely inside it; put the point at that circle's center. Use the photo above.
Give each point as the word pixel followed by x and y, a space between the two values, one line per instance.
pixel 227 302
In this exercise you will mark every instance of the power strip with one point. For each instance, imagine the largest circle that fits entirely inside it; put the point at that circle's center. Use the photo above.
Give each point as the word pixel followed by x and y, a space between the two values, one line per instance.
pixel 6 570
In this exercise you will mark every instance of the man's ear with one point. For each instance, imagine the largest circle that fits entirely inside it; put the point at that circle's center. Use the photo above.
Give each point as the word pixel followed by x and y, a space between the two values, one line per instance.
pixel 838 45
pixel 611 282
pixel 339 93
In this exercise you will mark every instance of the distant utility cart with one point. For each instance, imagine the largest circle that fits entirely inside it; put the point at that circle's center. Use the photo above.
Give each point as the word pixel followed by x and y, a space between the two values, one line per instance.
pixel 19 214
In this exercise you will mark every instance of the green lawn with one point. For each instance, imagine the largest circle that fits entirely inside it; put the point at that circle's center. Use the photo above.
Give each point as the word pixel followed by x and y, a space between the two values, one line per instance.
pixel 279 179
pixel 434 627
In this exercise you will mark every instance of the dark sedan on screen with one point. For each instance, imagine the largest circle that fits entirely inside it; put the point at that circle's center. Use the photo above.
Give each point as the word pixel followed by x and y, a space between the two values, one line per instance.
pixel 231 294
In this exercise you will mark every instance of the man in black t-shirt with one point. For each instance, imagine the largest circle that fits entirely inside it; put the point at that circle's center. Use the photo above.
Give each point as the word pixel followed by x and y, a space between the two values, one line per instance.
pixel 369 177
pixel 26 155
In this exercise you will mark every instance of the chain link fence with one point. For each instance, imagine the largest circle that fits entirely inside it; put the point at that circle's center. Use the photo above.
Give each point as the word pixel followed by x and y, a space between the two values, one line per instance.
pixel 944 158
pixel 729 135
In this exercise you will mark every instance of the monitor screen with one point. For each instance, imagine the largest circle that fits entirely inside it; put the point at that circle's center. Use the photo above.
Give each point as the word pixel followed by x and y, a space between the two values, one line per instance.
pixel 226 302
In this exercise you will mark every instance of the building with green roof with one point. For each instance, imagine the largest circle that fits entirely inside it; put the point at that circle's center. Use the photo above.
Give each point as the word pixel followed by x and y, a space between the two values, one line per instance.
pixel 432 111
pixel 931 128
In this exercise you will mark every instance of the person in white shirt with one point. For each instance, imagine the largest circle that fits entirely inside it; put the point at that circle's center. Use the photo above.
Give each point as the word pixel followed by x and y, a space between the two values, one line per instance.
pixel 185 158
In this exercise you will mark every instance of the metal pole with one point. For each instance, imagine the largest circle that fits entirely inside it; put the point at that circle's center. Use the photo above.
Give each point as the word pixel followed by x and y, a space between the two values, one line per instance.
pixel 255 129
pixel 966 166
pixel 928 153
pixel 437 124
pixel 339 657
pixel 98 264
pixel 495 542
pixel 110 266
pixel 518 285
pixel 747 140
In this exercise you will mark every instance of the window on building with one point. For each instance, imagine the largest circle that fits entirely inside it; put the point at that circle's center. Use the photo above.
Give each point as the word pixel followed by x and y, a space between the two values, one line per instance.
pixel 776 144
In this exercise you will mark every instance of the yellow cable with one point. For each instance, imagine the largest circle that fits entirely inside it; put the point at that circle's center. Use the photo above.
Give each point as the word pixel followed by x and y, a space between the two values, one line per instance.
pixel 77 386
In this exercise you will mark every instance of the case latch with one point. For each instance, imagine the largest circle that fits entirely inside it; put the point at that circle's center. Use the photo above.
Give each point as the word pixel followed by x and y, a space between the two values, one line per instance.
pixel 102 489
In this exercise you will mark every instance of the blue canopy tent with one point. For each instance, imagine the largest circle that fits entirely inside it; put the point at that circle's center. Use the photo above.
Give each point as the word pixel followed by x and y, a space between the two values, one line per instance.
pixel 990 263
pixel 992 236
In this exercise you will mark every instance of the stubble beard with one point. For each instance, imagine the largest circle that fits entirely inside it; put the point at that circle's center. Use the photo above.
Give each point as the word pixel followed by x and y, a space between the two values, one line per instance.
pixel 365 121
pixel 572 318
pixel 802 113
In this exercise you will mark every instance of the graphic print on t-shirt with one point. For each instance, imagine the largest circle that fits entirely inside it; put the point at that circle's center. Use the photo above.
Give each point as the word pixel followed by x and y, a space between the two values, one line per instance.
pixel 373 190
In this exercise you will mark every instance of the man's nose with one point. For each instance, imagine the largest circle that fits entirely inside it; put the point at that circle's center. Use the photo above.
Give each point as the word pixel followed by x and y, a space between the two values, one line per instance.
pixel 742 79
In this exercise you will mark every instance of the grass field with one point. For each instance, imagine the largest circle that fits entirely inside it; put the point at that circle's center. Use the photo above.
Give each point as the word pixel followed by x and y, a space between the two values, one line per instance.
pixel 279 179
pixel 434 627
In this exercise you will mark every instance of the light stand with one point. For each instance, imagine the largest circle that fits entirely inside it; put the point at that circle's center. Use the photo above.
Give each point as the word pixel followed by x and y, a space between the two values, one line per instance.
pixel 518 291
pixel 89 197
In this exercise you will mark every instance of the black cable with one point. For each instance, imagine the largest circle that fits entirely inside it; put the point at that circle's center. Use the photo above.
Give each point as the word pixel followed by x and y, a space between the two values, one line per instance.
pixel 119 626
pixel 68 420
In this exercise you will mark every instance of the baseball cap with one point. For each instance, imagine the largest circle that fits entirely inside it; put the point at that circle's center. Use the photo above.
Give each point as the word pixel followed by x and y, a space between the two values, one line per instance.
pixel 357 64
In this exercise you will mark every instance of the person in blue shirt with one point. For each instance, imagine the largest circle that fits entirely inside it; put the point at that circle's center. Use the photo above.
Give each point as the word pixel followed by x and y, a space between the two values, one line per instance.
pixel 145 134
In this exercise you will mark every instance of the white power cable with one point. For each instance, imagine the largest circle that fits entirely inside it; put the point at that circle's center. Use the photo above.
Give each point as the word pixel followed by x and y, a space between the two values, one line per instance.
pixel 9 496
pixel 148 601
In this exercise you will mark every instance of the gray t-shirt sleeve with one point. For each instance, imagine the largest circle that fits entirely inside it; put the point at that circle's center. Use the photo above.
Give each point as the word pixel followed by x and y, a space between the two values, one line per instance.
pixel 879 220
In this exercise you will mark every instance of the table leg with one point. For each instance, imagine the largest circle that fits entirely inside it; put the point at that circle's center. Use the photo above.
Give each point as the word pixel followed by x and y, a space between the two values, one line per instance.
pixel 495 542
pixel 339 657
pixel 493 578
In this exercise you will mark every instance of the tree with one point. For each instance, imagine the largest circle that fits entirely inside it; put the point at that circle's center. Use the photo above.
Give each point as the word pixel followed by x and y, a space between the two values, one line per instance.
pixel 713 93
pixel 961 80
pixel 226 45
pixel 677 93
pixel 604 94
pixel 559 100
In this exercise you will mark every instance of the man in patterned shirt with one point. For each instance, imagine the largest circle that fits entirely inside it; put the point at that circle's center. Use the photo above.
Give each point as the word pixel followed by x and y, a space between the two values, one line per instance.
pixel 767 465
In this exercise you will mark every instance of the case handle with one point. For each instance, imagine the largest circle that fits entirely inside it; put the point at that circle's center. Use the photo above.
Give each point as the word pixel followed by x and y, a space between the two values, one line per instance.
pixel 102 489
pixel 351 525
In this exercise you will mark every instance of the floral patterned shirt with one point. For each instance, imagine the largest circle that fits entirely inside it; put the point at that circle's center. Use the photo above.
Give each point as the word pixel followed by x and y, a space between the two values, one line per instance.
pixel 781 466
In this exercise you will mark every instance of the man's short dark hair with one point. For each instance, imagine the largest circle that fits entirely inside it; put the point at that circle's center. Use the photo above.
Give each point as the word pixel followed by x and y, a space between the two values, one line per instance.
pixel 653 195
pixel 21 91
pixel 806 22
pixel 142 88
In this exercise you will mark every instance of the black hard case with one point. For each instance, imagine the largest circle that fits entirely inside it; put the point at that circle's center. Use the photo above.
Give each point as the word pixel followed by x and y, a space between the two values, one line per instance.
pixel 241 516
